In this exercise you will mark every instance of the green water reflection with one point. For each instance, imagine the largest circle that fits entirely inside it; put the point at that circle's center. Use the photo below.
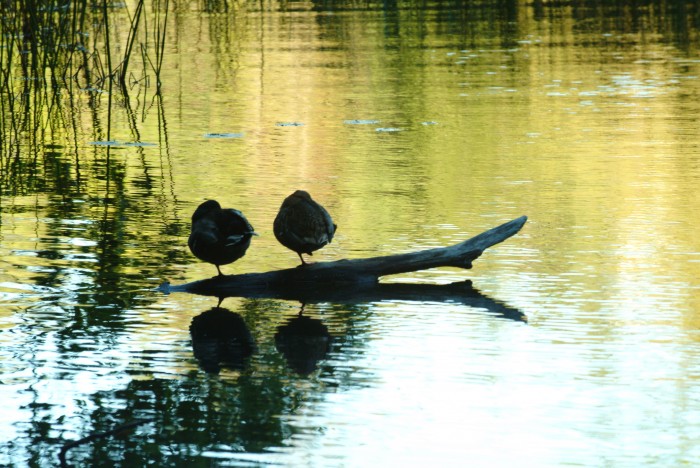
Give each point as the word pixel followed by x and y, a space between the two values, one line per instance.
pixel 417 125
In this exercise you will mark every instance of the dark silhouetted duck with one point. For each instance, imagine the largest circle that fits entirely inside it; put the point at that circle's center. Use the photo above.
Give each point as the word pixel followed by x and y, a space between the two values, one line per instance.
pixel 302 225
pixel 219 236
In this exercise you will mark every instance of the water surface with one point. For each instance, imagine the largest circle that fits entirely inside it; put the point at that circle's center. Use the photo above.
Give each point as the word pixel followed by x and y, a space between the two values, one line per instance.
pixel 416 127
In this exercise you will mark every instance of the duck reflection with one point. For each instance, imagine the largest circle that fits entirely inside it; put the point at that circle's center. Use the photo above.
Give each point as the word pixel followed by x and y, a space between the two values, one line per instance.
pixel 221 339
pixel 303 341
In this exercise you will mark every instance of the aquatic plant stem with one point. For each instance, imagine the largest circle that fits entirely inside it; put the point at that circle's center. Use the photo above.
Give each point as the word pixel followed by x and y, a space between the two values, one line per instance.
pixel 159 36
pixel 130 43
pixel 109 76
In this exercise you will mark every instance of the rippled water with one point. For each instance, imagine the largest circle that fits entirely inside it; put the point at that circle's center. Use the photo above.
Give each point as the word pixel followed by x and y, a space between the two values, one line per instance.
pixel 576 343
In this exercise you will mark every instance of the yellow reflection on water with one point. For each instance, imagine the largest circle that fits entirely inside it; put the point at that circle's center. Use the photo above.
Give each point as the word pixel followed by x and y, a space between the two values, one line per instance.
pixel 414 134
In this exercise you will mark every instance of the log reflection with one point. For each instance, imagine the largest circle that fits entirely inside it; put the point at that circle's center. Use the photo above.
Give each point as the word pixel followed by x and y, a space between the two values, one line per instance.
pixel 461 292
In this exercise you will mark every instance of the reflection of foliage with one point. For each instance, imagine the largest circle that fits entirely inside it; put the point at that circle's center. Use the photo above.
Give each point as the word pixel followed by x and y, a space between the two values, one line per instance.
pixel 53 72
pixel 245 411
pixel 55 62
pixel 55 75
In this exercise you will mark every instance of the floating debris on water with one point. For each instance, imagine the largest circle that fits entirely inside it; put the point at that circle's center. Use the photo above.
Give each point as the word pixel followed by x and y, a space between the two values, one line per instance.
pixel 361 122
pixel 223 135
pixel 139 143
pixel 120 143
pixel 290 124
pixel 429 122
pixel 389 129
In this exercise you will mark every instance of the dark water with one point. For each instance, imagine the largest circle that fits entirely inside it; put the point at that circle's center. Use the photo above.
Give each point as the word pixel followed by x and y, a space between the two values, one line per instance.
pixel 417 126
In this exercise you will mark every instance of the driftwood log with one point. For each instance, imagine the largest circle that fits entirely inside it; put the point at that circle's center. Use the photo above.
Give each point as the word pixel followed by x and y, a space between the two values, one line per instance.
pixel 358 280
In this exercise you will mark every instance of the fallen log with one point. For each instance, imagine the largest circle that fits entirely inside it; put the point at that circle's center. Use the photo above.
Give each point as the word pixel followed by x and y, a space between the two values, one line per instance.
pixel 320 280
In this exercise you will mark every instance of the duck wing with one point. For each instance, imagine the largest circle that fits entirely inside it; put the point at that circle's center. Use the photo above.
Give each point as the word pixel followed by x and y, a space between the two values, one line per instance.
pixel 305 224
pixel 234 228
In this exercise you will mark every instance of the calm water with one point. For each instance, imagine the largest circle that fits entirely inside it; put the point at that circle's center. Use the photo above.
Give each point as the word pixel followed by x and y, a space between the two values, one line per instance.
pixel 416 128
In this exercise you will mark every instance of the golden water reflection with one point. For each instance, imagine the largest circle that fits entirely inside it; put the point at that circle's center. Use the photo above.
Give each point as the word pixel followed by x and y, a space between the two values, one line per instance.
pixel 416 128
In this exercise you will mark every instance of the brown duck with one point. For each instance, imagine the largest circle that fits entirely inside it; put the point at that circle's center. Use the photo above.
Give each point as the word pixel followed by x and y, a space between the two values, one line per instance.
pixel 219 235
pixel 302 225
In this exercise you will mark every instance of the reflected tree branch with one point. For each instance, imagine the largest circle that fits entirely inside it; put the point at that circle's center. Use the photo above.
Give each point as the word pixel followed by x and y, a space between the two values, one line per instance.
pixel 98 435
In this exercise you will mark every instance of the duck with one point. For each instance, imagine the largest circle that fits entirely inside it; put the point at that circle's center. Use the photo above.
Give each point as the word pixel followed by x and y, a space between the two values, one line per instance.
pixel 303 225
pixel 219 235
